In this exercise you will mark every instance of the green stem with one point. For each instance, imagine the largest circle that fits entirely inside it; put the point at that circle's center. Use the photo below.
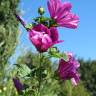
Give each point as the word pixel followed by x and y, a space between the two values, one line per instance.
pixel 70 90
pixel 40 78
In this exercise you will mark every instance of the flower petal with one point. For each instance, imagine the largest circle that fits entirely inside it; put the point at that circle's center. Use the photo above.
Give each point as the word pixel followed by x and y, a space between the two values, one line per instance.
pixel 51 8
pixel 68 70
pixel 61 14
pixel 64 10
pixel 70 21
pixel 54 34
pixel 46 42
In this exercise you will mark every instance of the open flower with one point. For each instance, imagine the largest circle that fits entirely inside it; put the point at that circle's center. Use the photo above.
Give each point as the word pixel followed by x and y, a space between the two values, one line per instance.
pixel 19 87
pixel 43 38
pixel 60 12
pixel 68 70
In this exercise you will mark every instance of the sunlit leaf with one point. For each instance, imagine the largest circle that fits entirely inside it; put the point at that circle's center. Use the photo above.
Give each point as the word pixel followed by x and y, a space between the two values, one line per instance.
pixel 23 70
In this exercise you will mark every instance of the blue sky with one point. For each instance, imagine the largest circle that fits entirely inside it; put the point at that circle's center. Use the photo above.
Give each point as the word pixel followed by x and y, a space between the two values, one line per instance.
pixel 80 41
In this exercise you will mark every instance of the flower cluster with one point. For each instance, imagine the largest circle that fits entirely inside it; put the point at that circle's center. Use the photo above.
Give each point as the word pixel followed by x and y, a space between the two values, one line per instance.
pixel 44 37
pixel 43 34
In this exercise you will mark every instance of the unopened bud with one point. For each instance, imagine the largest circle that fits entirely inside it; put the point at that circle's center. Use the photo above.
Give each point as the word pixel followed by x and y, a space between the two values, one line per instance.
pixel 41 10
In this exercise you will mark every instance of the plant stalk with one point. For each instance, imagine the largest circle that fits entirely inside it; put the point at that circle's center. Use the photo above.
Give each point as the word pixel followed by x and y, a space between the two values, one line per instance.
pixel 40 78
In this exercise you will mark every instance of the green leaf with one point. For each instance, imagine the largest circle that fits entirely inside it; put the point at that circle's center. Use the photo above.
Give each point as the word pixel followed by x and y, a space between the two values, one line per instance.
pixel 65 57
pixel 53 23
pixel 41 72
pixel 37 19
pixel 54 52
pixel 28 26
pixel 23 70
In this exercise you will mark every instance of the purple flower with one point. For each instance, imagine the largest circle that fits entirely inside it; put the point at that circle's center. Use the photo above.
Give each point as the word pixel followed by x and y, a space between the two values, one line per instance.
pixel 18 85
pixel 43 38
pixel 68 70
pixel 60 12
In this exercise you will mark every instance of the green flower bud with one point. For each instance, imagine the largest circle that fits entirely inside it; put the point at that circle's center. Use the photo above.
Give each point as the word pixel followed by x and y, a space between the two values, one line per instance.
pixel 41 10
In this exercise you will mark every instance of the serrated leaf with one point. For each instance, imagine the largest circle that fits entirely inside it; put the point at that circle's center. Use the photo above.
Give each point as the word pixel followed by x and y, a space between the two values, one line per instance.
pixel 23 70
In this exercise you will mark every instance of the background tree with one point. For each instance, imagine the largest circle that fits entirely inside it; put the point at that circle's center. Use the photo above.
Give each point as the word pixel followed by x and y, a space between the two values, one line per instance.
pixel 8 41
pixel 88 75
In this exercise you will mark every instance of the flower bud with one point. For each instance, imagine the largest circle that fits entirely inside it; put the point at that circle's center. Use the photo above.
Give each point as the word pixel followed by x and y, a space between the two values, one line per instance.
pixel 41 10
pixel 18 85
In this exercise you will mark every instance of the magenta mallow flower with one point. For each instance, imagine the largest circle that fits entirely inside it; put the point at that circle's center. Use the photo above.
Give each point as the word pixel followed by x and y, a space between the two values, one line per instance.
pixel 18 85
pixel 60 12
pixel 68 69
pixel 42 37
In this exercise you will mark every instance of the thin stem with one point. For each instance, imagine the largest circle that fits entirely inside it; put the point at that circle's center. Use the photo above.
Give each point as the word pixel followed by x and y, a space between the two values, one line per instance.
pixel 40 78
pixel 70 91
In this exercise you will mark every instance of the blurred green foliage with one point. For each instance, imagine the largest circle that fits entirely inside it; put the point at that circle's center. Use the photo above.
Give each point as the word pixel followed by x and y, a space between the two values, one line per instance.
pixel 8 29
pixel 8 41
pixel 50 86
pixel 88 75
